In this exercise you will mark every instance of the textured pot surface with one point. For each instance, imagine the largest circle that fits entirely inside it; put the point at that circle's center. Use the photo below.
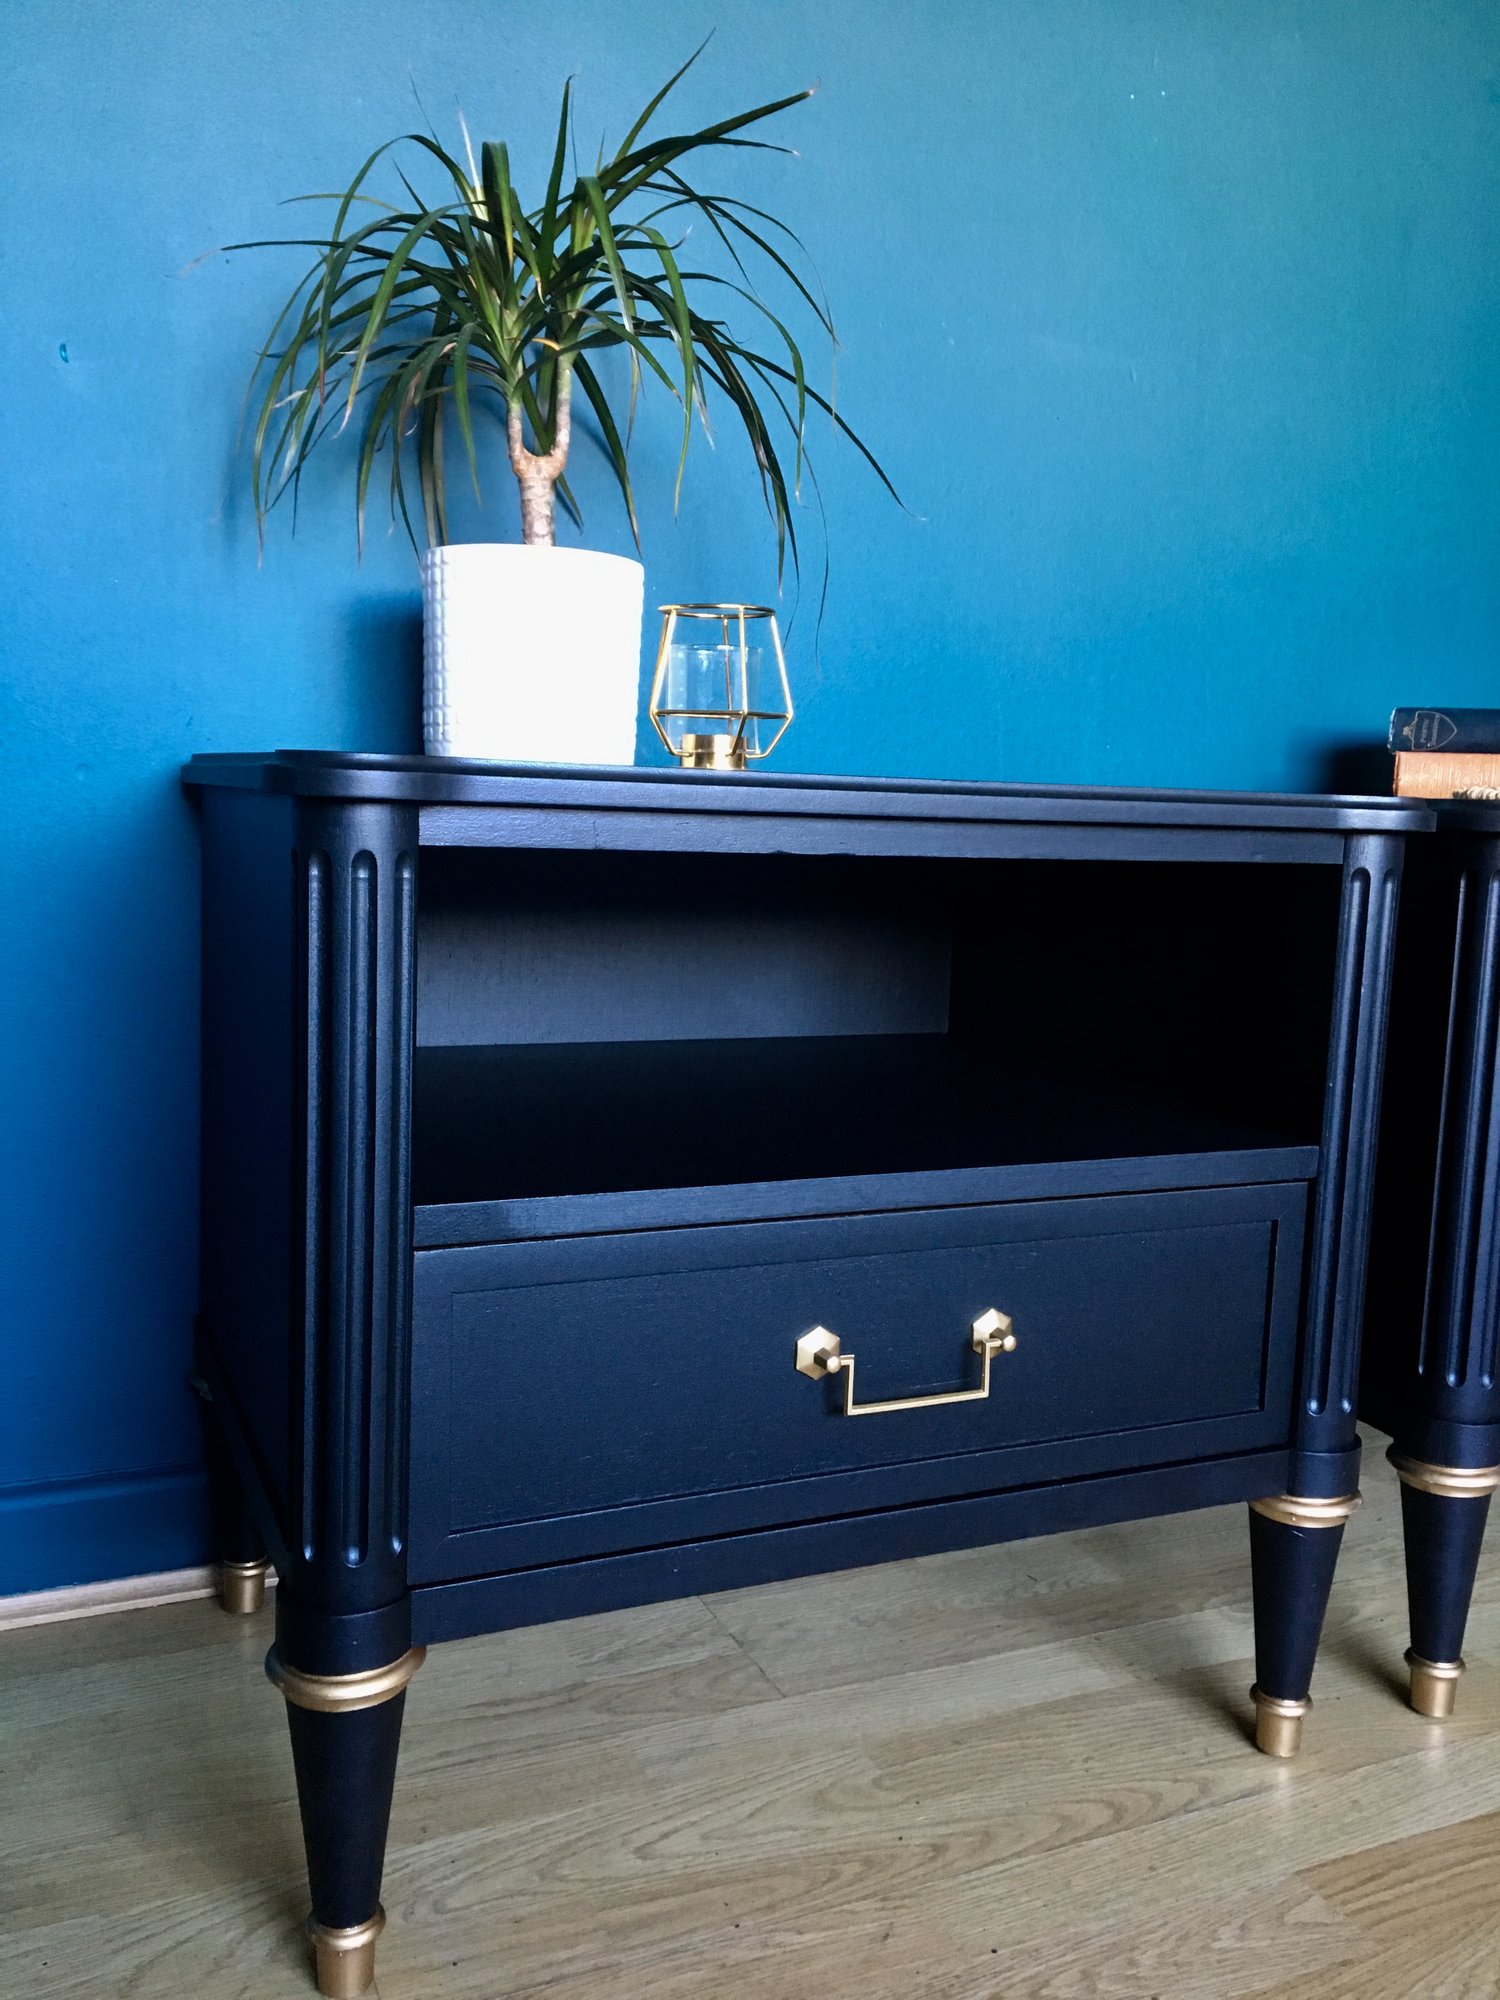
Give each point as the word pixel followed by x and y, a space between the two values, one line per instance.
pixel 531 655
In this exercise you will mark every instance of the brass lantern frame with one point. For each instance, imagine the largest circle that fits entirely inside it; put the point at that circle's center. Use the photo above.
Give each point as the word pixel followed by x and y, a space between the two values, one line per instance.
pixel 726 750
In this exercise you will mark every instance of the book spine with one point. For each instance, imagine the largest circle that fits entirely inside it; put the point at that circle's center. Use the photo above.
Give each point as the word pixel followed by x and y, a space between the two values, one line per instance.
pixel 1461 731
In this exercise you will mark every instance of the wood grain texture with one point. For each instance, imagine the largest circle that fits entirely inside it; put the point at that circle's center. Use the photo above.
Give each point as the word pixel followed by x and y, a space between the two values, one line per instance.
pixel 1016 1773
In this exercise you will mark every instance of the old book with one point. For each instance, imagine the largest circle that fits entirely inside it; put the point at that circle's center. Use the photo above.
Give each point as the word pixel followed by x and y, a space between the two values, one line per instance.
pixel 1444 774
pixel 1455 729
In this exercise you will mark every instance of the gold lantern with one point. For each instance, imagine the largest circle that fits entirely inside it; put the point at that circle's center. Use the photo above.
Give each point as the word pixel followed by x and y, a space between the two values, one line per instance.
pixel 720 697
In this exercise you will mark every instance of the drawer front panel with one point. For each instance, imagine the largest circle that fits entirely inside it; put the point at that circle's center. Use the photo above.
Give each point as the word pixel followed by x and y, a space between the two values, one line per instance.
pixel 596 1393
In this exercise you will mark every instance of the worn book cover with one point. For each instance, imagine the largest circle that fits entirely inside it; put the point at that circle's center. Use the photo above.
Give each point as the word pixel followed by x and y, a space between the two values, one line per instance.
pixel 1457 729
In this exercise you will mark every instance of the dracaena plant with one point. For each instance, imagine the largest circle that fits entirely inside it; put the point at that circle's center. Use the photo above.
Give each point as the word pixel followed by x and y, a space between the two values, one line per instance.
pixel 412 316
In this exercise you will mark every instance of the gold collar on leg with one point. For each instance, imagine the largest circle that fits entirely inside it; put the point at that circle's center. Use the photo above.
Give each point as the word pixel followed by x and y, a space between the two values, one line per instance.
pixel 342 1694
pixel 1295 1511
pixel 1448 1482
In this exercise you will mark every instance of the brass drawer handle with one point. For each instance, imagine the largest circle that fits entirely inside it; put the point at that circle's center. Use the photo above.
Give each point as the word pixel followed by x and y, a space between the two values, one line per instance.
pixel 819 1353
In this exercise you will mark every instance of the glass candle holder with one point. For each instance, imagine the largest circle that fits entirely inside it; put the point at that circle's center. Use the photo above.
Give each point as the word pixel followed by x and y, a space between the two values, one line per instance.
pixel 720 697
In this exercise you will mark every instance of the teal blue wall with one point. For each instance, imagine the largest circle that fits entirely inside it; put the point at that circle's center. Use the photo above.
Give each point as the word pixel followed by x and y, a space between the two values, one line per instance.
pixel 1177 322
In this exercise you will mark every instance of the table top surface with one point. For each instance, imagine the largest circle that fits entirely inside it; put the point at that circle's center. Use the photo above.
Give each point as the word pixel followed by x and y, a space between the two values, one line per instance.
pixel 1472 815
pixel 454 781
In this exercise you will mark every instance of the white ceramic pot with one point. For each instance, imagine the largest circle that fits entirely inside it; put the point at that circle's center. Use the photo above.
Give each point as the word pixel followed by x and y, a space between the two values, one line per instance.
pixel 530 655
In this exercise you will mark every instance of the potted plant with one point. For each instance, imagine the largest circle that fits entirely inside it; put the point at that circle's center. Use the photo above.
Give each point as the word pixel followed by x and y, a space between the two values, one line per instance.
pixel 424 317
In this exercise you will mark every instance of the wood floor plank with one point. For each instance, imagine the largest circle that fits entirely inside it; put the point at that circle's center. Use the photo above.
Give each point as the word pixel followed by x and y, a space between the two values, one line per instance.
pixel 190 1730
pixel 1012 1774
pixel 801 1857
pixel 1424 1909
pixel 822 1632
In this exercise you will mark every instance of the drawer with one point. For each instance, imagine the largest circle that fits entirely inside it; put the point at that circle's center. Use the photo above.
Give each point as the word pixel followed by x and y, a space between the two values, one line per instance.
pixel 587 1394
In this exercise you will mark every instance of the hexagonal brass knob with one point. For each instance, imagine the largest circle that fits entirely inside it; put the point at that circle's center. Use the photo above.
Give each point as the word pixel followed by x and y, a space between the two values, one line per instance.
pixel 818 1353
pixel 995 1331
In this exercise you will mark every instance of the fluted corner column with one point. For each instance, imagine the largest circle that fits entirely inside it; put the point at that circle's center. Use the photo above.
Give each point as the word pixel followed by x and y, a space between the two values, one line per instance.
pixel 1446 1448
pixel 343 1654
pixel 1295 1536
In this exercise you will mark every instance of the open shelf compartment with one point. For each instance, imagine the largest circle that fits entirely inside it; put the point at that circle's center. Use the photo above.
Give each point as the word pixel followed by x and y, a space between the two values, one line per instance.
pixel 612 1041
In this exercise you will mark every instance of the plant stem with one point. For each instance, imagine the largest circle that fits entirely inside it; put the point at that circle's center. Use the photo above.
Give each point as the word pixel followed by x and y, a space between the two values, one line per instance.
pixel 537 472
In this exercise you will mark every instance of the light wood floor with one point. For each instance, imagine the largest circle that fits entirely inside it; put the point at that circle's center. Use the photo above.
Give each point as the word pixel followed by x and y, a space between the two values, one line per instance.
pixel 1016 1774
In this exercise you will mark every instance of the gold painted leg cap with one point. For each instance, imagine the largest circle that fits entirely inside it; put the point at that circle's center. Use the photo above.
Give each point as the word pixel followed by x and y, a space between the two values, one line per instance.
pixel 242 1587
pixel 346 1959
pixel 1434 1685
pixel 1278 1724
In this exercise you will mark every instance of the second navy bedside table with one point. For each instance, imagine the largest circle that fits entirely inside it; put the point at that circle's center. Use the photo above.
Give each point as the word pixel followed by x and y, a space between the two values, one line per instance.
pixel 1432 1349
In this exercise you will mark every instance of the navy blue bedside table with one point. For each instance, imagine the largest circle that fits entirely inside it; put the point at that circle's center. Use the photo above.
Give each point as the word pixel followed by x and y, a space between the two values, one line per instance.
pixel 568 1134
pixel 1433 1370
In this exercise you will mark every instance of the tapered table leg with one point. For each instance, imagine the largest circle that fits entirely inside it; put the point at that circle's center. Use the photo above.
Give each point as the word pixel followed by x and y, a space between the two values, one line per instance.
pixel 1294 1548
pixel 346 1732
pixel 1444 1510
pixel 240 1562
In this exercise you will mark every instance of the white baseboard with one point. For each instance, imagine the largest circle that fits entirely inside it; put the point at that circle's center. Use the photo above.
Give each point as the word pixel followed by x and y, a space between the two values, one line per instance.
pixel 91 1600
